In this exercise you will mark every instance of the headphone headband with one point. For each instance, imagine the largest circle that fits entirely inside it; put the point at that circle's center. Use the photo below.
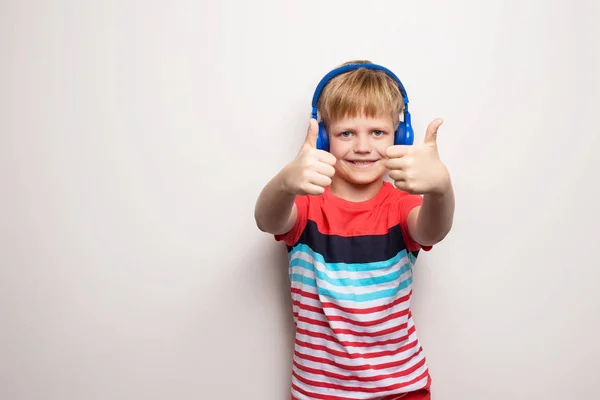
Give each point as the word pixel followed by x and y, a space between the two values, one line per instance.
pixel 351 67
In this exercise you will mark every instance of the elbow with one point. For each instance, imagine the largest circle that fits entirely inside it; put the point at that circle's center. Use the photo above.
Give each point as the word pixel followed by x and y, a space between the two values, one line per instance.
pixel 263 225
pixel 259 222
pixel 432 238
pixel 438 238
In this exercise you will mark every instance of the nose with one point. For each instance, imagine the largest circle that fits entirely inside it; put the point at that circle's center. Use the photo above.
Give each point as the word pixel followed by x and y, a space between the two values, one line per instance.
pixel 362 145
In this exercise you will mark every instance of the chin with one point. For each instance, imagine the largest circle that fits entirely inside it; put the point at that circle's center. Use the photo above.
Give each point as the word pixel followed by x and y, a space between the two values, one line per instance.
pixel 365 178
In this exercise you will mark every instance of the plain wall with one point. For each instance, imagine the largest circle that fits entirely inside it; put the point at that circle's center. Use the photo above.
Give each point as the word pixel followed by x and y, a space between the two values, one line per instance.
pixel 135 137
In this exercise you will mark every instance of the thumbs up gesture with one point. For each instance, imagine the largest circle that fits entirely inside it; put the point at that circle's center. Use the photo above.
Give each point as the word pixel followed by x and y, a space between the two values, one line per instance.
pixel 312 170
pixel 418 169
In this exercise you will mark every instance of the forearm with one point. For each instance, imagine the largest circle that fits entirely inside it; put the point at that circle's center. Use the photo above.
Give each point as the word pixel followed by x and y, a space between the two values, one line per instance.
pixel 435 216
pixel 274 206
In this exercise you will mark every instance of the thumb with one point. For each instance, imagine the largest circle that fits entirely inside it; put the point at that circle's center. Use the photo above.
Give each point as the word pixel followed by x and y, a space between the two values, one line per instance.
pixel 431 133
pixel 313 132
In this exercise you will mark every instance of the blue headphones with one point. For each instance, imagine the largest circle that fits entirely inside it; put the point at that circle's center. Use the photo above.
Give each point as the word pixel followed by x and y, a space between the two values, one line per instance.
pixel 404 135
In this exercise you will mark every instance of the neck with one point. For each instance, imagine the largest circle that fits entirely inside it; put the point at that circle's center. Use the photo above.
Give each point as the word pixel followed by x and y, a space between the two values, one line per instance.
pixel 355 192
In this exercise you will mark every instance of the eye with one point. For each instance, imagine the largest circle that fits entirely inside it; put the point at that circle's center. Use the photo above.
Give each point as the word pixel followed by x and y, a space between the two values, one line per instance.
pixel 346 134
pixel 378 133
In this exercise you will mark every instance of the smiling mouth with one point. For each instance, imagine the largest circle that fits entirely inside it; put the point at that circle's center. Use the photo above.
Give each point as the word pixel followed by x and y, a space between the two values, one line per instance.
pixel 362 162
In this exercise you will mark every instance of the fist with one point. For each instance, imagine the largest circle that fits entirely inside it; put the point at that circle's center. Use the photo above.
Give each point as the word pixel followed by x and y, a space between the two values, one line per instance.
pixel 418 169
pixel 312 170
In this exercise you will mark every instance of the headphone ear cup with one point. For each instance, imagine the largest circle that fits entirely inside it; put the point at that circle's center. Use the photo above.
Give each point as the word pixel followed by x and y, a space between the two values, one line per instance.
pixel 400 135
pixel 322 138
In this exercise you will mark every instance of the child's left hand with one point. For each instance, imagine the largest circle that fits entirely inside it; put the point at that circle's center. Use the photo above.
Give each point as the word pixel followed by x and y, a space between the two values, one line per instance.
pixel 418 169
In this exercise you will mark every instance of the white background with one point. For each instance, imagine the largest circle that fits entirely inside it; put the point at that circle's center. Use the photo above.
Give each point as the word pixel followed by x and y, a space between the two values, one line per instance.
pixel 135 137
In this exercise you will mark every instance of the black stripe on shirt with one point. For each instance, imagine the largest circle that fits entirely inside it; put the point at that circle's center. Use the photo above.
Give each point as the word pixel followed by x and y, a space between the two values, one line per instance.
pixel 355 249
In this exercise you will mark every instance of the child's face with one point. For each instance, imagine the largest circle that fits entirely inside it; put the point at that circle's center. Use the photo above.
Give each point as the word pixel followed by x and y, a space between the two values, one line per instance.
pixel 359 144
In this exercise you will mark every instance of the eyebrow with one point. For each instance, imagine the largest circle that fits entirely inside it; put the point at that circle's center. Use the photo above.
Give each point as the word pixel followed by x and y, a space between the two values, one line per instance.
pixel 344 128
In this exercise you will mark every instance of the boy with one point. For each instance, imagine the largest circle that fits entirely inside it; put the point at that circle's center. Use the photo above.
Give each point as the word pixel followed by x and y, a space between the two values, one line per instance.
pixel 353 239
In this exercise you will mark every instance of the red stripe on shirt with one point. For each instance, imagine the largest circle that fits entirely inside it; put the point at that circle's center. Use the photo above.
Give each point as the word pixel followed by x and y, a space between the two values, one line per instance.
pixel 376 354
pixel 349 310
pixel 339 331
pixel 317 310
pixel 356 344
pixel 363 367
pixel 388 388
pixel 375 378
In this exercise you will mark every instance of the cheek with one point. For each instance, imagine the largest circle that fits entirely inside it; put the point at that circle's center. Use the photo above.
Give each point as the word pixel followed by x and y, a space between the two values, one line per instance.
pixel 338 148
pixel 383 147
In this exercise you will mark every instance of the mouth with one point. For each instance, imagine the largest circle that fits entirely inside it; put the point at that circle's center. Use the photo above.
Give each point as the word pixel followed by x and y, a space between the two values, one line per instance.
pixel 362 163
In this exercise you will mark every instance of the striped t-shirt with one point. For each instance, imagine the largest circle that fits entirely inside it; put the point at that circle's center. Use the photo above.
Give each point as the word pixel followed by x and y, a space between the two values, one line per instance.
pixel 351 284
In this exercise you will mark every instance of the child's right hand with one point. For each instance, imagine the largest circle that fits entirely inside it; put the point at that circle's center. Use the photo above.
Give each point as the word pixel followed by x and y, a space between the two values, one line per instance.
pixel 312 170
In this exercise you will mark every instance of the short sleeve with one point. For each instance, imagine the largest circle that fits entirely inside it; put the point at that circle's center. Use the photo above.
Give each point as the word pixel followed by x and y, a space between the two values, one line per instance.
pixel 290 238
pixel 406 204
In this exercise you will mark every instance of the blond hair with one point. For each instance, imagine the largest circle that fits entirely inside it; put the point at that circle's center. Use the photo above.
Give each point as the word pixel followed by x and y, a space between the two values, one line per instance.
pixel 361 91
